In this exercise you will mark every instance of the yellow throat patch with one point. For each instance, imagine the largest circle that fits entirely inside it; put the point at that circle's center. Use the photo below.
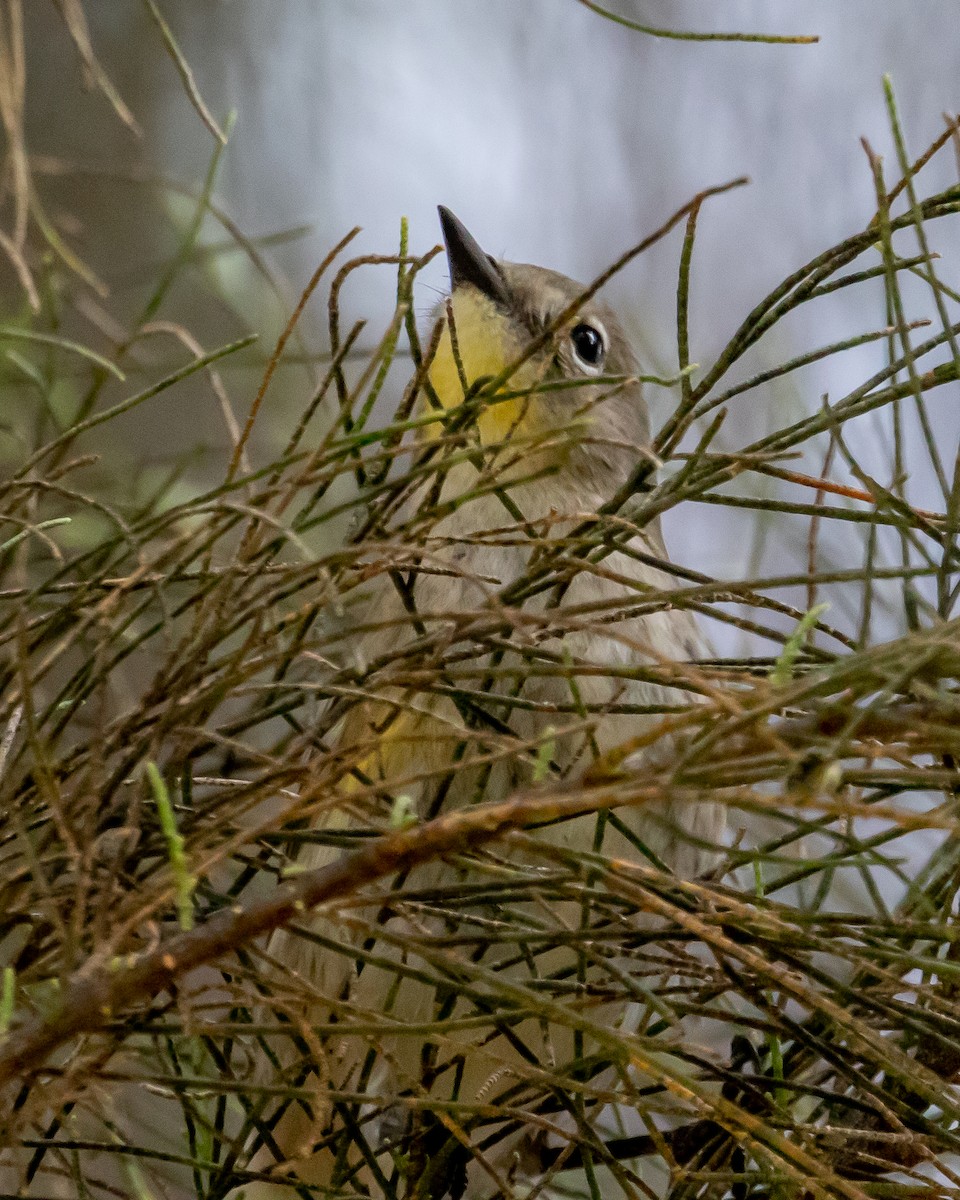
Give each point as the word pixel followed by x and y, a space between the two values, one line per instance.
pixel 487 341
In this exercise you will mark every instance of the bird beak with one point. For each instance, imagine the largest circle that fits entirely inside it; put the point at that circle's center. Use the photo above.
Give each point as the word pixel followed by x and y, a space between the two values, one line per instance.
pixel 468 263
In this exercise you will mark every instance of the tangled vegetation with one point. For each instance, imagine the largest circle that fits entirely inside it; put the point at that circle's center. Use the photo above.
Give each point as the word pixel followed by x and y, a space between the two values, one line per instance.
pixel 175 675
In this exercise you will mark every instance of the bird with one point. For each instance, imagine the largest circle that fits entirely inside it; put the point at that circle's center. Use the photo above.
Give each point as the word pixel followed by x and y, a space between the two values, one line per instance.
pixel 477 686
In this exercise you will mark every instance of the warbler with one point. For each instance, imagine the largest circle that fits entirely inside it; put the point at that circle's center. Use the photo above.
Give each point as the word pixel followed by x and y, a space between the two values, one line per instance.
pixel 497 654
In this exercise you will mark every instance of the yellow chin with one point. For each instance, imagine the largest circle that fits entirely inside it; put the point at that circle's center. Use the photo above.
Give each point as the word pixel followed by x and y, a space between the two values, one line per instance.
pixel 487 343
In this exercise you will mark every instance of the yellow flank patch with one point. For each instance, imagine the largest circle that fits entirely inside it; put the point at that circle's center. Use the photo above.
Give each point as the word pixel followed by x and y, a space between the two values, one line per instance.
pixel 487 342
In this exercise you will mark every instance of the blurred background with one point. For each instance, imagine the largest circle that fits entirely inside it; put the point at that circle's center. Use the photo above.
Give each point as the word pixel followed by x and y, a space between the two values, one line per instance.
pixel 559 137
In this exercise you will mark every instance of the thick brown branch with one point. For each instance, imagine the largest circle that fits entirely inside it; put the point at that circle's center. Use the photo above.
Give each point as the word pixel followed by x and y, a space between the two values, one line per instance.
pixel 97 993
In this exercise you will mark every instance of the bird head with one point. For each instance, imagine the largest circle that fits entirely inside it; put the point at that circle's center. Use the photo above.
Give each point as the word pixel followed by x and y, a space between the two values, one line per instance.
pixel 576 398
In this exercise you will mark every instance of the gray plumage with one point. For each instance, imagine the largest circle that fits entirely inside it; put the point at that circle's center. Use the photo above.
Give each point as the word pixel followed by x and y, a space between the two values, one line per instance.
pixel 559 454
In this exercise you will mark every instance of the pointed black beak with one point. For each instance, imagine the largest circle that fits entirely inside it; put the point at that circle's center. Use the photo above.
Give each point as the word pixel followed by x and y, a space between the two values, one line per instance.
pixel 468 263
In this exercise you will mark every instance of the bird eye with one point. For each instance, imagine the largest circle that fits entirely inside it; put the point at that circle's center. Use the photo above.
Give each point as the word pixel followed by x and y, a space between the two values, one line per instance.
pixel 588 347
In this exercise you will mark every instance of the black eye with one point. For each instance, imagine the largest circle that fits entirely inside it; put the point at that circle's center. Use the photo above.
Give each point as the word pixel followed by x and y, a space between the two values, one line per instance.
pixel 588 346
